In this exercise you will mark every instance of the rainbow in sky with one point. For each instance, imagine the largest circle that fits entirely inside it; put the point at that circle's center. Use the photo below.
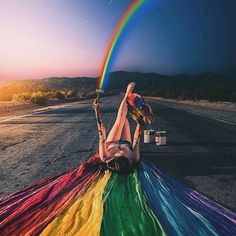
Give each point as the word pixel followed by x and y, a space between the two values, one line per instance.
pixel 114 41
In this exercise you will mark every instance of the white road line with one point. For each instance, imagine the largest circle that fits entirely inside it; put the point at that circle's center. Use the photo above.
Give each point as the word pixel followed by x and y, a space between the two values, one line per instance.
pixel 224 121
pixel 193 155
pixel 38 111
pixel 195 113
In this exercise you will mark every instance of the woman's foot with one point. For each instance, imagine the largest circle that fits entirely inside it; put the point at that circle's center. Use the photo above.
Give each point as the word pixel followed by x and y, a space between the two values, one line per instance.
pixel 130 88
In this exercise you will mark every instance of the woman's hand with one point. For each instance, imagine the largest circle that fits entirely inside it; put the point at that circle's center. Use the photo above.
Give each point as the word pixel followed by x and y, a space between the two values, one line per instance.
pixel 96 104
pixel 130 88
pixel 96 107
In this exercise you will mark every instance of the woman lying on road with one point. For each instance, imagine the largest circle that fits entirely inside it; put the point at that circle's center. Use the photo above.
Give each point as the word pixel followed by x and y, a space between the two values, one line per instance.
pixel 116 150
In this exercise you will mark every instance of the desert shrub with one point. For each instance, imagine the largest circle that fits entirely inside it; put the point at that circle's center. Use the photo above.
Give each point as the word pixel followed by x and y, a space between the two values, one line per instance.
pixel 38 98
pixel 17 97
pixel 71 94
pixel 26 96
pixel 59 94
pixel 91 94
pixel 50 95
pixel 21 97
pixel 81 94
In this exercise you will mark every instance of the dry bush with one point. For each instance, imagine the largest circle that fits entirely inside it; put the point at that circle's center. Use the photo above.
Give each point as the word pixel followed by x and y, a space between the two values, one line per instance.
pixel 39 98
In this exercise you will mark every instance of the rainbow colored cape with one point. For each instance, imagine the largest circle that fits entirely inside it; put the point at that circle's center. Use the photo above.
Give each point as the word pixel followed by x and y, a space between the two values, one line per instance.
pixel 90 201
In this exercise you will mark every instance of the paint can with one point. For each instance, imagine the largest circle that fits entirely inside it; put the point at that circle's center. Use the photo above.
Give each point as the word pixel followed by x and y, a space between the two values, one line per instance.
pixel 160 137
pixel 149 136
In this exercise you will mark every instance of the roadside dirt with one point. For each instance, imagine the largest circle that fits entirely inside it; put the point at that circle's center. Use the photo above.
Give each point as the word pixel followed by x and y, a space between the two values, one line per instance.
pixel 8 109
pixel 221 111
pixel 229 106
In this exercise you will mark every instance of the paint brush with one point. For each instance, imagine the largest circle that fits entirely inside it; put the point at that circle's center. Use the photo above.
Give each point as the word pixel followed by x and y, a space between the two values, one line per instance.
pixel 99 91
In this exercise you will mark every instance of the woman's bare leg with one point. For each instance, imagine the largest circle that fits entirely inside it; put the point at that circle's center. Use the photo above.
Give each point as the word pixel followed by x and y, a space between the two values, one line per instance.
pixel 126 134
pixel 116 131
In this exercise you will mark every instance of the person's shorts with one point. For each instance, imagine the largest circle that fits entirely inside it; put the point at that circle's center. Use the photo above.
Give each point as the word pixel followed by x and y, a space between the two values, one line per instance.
pixel 120 143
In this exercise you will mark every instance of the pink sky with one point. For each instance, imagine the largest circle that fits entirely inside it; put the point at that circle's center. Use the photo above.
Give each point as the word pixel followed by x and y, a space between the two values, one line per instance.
pixel 44 38
pixel 40 40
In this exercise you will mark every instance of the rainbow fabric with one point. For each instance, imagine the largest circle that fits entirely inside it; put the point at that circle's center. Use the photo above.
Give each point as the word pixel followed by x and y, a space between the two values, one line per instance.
pixel 114 40
pixel 90 201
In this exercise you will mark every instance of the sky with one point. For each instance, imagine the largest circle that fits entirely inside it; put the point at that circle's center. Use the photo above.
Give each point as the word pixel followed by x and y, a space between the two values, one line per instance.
pixel 44 38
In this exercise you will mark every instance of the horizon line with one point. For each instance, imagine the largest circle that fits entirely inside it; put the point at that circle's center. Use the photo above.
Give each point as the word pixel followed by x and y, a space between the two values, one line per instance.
pixel 96 77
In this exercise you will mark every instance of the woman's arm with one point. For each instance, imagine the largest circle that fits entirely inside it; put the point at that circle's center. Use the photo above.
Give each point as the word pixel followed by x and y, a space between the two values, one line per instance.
pixel 136 143
pixel 101 131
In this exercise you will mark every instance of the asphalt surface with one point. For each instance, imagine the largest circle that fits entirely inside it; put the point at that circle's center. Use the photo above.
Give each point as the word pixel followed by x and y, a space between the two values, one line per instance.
pixel 200 152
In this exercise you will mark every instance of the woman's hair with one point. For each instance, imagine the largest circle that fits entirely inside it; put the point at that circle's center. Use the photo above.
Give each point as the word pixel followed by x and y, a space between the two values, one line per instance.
pixel 120 165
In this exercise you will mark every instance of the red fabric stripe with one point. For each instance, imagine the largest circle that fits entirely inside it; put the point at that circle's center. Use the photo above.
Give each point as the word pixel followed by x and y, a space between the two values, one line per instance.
pixel 30 210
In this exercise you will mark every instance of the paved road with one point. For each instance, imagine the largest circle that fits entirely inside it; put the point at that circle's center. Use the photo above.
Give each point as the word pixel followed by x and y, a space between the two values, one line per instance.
pixel 201 152
pixel 42 145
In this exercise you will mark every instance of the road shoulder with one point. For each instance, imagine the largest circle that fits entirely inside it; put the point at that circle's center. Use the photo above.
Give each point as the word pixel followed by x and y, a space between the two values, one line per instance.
pixel 221 113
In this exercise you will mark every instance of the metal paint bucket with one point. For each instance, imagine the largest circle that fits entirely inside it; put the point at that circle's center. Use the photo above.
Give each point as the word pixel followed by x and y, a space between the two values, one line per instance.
pixel 160 137
pixel 149 136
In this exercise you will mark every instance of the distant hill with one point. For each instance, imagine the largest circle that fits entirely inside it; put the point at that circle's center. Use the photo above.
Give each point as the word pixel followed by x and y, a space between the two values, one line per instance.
pixel 207 86
pixel 9 88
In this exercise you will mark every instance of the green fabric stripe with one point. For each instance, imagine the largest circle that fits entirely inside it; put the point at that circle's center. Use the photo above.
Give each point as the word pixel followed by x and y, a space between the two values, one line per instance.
pixel 125 210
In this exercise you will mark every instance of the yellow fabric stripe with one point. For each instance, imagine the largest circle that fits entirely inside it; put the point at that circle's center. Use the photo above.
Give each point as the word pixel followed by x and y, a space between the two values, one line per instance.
pixel 84 216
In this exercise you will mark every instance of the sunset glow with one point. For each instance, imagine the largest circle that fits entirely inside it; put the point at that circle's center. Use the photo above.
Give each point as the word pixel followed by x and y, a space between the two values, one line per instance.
pixel 44 38
pixel 38 41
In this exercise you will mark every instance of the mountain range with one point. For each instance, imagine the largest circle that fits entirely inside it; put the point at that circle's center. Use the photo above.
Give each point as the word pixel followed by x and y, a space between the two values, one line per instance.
pixel 207 86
